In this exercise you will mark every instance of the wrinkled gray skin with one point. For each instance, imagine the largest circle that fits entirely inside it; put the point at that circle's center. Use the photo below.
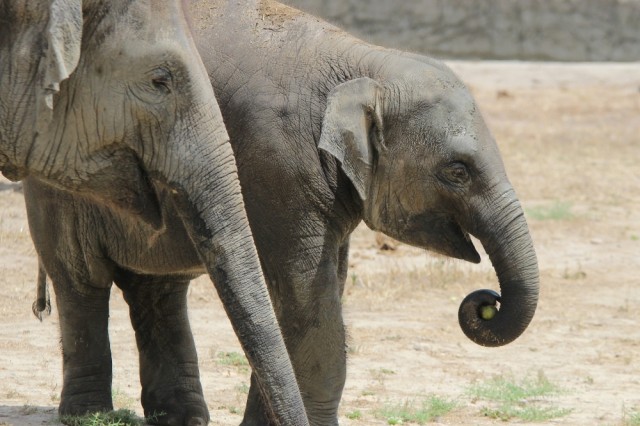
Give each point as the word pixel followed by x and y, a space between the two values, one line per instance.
pixel 110 100
pixel 329 131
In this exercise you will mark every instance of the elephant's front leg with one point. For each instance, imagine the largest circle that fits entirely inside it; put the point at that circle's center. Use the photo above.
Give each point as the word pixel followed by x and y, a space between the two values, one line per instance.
pixel 171 389
pixel 86 356
pixel 310 314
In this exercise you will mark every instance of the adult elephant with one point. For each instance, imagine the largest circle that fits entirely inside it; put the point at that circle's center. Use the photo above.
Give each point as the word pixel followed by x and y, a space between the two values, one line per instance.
pixel 327 131
pixel 110 100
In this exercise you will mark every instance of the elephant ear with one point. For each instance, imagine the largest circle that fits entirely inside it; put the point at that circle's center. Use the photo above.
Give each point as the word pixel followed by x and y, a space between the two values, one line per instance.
pixel 352 129
pixel 63 39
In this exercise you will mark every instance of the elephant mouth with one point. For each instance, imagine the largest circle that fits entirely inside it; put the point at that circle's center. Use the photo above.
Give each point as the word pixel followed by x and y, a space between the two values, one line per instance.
pixel 459 244
pixel 441 234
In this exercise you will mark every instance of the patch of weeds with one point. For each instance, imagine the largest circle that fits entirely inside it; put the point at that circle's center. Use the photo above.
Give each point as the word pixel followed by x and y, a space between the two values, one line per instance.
pixel 634 237
pixel 625 308
pixel 111 418
pixel 12 394
pixel 235 359
pixel 235 410
pixel 354 350
pixel 577 274
pixel 558 210
pixel 121 400
pixel 243 388
pixel 28 410
pixel 378 373
pixel 630 418
pixel 423 412
pixel 526 413
pixel 381 374
pixel 394 338
pixel 354 415
pixel 354 279
pixel 519 399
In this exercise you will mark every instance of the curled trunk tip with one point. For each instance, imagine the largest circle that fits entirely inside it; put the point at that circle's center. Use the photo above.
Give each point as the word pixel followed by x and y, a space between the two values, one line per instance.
pixel 490 319
pixel 478 308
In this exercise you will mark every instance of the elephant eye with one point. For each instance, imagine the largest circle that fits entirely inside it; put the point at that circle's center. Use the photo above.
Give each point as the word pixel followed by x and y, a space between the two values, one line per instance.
pixel 456 173
pixel 161 80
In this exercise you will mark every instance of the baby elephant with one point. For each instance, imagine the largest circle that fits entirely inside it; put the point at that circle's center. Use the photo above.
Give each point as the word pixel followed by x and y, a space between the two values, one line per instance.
pixel 327 131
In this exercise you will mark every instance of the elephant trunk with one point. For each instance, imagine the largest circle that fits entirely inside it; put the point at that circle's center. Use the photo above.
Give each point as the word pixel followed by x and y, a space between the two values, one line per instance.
pixel 207 194
pixel 505 236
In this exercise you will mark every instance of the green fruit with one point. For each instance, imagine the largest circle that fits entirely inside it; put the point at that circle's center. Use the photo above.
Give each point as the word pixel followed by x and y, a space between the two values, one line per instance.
pixel 487 312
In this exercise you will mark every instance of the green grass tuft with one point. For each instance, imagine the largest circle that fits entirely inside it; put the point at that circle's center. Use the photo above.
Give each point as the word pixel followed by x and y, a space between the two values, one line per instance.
pixel 522 399
pixel 235 359
pixel 631 418
pixel 507 390
pixel 354 415
pixel 526 413
pixel 28 410
pixel 559 210
pixel 420 413
pixel 111 418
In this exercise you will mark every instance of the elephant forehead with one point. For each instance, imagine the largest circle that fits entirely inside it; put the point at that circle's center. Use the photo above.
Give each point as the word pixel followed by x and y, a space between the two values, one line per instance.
pixel 147 22
pixel 442 118
pixel 464 144
pixel 449 103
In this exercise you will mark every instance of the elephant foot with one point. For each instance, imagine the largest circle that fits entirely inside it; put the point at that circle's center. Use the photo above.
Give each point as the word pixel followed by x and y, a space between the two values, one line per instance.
pixel 79 405
pixel 177 412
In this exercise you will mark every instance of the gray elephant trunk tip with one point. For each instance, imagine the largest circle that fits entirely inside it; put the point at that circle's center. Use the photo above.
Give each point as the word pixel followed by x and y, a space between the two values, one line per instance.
pixel 475 310
pixel 488 321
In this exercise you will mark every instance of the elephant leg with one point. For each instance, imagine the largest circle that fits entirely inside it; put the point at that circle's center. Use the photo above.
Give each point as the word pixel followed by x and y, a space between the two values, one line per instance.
pixel 171 389
pixel 86 355
pixel 313 327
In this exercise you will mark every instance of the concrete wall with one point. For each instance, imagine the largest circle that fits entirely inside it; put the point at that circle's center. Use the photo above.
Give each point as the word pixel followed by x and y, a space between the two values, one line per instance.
pixel 564 30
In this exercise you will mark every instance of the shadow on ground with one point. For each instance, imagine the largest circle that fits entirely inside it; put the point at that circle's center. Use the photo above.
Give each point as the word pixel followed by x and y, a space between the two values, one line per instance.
pixel 28 415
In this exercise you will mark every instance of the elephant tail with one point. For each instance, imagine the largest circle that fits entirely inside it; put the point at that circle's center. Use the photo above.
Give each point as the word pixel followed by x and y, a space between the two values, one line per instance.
pixel 43 299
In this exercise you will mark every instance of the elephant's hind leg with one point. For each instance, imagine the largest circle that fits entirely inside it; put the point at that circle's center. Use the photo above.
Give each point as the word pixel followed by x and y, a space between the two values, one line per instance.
pixel 171 389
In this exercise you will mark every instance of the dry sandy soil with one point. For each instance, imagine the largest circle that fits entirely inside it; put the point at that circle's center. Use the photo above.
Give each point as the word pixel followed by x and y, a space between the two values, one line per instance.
pixel 570 138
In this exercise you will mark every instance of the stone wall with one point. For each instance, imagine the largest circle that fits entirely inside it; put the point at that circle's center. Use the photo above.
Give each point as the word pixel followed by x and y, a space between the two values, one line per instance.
pixel 561 30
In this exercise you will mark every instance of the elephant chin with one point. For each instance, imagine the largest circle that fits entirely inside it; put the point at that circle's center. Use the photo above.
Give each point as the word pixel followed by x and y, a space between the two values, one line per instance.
pixel 441 235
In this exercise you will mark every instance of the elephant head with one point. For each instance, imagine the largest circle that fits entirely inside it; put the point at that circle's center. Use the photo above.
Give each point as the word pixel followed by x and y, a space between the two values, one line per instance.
pixel 429 173
pixel 110 99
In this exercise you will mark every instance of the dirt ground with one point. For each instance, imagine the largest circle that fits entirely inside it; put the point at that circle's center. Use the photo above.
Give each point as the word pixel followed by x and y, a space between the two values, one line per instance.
pixel 570 139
